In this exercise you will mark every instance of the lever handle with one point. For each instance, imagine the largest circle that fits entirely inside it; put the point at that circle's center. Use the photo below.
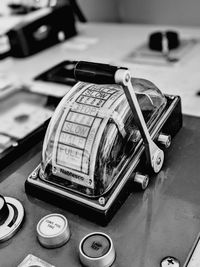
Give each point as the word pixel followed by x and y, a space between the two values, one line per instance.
pixel 106 74
pixel 95 72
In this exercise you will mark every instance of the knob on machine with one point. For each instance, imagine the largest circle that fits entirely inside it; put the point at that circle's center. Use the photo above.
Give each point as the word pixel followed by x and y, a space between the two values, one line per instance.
pixel 11 217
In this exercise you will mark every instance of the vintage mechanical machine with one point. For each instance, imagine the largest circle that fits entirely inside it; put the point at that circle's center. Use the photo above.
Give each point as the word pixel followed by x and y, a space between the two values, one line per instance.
pixel 108 134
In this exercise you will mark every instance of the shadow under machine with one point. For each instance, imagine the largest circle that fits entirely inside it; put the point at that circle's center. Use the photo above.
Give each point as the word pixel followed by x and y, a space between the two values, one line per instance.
pixel 107 135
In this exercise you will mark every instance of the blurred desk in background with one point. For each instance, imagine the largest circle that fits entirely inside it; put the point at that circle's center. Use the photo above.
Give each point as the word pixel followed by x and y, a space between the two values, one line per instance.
pixel 112 43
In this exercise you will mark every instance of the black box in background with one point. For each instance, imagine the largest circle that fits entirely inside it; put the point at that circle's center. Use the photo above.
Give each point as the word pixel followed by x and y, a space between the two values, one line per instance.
pixel 32 36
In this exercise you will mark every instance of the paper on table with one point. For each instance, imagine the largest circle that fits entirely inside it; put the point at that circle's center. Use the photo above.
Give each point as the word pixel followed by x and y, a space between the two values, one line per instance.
pixel 22 119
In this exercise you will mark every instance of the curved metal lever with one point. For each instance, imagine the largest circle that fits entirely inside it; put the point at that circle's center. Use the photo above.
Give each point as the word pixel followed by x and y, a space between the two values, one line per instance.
pixel 107 74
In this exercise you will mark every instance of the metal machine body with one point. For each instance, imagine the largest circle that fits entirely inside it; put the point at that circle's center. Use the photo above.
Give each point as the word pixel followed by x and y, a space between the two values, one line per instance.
pixel 147 159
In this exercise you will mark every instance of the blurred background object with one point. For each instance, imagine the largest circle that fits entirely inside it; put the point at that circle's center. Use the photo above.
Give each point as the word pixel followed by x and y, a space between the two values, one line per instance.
pixel 17 7
pixel 21 6
pixel 103 10
pixel 51 22
pixel 179 12
pixel 41 30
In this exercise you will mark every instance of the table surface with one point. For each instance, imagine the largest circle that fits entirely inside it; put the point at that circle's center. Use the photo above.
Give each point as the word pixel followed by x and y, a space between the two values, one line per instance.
pixel 164 220
pixel 161 221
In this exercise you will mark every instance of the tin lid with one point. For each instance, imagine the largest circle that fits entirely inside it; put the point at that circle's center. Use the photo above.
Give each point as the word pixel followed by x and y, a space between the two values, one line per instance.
pixel 53 230
pixel 96 249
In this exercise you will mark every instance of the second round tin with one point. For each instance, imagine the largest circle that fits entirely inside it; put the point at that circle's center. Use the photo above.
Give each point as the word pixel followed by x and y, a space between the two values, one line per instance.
pixel 96 250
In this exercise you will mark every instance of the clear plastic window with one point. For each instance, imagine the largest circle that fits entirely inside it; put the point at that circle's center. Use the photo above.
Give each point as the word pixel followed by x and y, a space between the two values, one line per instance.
pixel 93 134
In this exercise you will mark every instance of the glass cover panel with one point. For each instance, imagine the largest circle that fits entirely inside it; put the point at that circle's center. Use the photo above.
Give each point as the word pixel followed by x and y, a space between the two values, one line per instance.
pixel 92 135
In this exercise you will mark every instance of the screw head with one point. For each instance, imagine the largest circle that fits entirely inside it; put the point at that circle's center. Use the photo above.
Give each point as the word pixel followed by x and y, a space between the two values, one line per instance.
pixel 54 170
pixel 34 175
pixel 170 262
pixel 127 78
pixel 14 144
pixel 158 160
pixel 102 201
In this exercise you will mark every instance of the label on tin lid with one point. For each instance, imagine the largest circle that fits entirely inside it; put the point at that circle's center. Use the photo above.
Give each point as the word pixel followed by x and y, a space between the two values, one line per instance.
pixel 52 225
pixel 96 246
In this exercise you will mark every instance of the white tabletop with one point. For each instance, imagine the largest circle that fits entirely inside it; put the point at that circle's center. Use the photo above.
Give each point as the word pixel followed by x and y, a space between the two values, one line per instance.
pixel 111 43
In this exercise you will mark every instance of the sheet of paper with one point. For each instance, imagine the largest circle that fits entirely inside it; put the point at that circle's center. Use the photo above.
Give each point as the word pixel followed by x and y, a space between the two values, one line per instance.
pixel 22 119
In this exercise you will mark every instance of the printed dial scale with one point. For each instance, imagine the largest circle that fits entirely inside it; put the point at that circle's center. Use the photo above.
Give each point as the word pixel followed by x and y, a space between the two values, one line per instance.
pixel 108 133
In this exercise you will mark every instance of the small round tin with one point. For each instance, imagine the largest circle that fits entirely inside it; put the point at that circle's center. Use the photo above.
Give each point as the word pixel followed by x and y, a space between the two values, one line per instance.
pixel 96 250
pixel 53 230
